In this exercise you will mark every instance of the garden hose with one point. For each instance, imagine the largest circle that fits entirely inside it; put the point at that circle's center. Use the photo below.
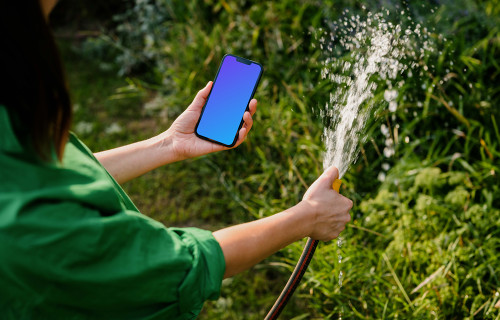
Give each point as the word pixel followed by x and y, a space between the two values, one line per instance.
pixel 298 272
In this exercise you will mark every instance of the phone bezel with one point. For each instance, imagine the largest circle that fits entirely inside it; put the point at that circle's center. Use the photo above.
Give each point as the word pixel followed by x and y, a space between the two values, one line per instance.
pixel 241 60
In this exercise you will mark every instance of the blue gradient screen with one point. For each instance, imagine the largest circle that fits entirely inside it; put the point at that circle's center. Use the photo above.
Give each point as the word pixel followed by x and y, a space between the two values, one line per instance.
pixel 228 100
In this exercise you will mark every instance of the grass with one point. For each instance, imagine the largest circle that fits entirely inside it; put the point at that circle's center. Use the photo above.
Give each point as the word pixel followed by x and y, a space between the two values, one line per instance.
pixel 423 243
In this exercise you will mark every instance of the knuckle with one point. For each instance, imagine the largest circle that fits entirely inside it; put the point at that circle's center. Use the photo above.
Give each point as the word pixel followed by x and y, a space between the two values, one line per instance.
pixel 350 203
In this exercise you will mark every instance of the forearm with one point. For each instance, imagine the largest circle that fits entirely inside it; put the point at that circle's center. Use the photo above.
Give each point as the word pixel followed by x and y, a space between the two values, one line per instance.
pixel 247 244
pixel 130 161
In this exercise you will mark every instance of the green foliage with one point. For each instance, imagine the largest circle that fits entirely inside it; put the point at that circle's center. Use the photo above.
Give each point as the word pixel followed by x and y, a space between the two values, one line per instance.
pixel 423 243
pixel 419 251
pixel 83 12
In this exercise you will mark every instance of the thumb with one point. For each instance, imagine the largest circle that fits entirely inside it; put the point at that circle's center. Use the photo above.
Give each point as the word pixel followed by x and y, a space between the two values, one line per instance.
pixel 201 97
pixel 329 176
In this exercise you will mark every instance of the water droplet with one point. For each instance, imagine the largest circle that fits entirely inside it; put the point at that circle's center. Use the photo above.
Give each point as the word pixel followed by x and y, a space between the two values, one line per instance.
pixel 381 177
pixel 384 129
pixel 390 95
pixel 393 106
pixel 388 152
pixel 340 242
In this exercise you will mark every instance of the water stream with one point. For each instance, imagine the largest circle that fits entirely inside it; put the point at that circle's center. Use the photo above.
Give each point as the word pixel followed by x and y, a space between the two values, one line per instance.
pixel 376 53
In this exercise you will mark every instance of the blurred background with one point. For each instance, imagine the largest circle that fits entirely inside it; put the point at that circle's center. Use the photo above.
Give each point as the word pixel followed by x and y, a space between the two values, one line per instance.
pixel 424 239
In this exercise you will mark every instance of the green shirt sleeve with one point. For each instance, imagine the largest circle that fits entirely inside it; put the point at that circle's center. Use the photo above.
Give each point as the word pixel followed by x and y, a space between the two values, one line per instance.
pixel 73 245
pixel 66 257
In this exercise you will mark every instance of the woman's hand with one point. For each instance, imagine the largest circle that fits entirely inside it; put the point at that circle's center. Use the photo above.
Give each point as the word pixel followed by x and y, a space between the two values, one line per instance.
pixel 331 210
pixel 185 144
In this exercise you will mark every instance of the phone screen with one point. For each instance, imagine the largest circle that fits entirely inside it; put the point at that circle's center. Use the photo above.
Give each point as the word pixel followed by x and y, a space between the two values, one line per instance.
pixel 232 90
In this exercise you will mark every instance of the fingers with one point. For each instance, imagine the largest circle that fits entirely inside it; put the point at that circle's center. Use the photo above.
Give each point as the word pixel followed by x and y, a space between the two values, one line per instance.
pixel 201 97
pixel 329 176
pixel 349 204
pixel 247 118
pixel 336 228
pixel 242 134
pixel 252 106
pixel 248 123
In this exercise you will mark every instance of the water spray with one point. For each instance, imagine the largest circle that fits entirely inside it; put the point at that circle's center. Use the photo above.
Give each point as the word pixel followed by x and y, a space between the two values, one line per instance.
pixel 351 103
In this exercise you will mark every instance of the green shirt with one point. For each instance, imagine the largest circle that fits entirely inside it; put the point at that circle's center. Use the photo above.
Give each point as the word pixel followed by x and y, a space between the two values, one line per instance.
pixel 74 246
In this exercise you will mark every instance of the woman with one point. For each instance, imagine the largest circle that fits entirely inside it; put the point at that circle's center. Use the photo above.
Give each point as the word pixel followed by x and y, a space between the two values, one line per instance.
pixel 72 244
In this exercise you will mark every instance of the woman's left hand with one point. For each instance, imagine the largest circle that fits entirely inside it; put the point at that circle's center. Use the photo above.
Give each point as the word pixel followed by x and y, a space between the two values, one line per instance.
pixel 185 143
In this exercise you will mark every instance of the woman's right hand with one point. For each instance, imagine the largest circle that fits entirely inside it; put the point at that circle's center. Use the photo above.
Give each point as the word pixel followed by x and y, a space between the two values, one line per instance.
pixel 329 209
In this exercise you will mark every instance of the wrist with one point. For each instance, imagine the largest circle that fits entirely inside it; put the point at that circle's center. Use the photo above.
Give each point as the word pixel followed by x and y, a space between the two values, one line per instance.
pixel 162 148
pixel 307 217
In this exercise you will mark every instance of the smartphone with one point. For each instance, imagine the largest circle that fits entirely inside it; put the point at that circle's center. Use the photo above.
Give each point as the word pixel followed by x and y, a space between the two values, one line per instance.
pixel 233 88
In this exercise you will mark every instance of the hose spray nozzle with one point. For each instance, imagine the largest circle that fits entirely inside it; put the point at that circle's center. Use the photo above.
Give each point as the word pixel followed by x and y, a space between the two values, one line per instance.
pixel 336 184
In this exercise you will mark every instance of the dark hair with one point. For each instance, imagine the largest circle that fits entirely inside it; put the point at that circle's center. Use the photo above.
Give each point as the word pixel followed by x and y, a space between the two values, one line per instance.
pixel 33 86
